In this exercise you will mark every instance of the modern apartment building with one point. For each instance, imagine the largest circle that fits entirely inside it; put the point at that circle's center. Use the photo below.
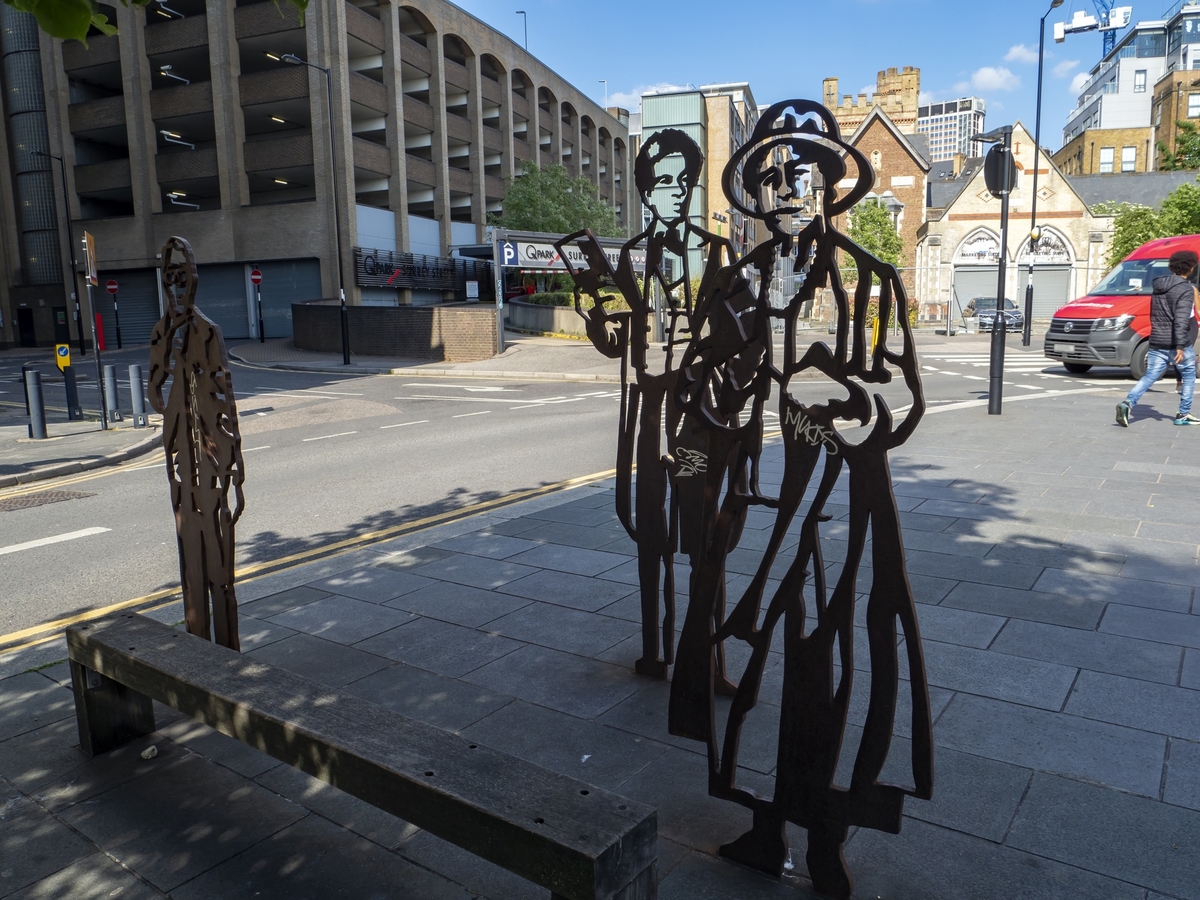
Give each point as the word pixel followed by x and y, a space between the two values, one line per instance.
pixel 1119 89
pixel 719 118
pixel 191 121
pixel 949 126
pixel 1177 92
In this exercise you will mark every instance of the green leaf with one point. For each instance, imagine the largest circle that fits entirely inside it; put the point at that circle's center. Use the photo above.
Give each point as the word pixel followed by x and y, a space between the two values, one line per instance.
pixel 100 23
pixel 66 19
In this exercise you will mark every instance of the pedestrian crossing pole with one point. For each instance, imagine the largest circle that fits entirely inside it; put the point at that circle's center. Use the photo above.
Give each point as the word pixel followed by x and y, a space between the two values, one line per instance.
pixel 1000 174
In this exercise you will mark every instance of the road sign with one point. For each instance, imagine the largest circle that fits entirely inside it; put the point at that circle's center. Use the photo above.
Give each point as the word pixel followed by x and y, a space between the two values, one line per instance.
pixel 62 355
pixel 255 276
pixel 89 253
pixel 111 285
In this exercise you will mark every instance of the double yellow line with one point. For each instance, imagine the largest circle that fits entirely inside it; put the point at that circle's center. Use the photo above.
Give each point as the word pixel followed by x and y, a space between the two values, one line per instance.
pixel 49 631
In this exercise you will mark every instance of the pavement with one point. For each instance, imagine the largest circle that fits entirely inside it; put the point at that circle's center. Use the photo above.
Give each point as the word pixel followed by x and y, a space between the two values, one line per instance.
pixel 1054 557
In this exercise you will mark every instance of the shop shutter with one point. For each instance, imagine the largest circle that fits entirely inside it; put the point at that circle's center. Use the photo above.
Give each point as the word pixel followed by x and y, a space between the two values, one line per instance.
pixel 222 297
pixel 285 282
pixel 973 281
pixel 137 304
pixel 1051 289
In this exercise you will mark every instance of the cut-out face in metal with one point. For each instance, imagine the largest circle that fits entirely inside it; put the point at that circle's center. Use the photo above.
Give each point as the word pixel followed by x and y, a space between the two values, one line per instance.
pixel 666 172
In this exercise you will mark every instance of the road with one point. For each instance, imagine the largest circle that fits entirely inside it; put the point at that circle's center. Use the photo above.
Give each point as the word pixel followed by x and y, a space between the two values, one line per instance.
pixel 328 458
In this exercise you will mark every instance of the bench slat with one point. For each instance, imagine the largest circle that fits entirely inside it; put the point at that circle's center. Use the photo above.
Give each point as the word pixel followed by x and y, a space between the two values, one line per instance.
pixel 582 842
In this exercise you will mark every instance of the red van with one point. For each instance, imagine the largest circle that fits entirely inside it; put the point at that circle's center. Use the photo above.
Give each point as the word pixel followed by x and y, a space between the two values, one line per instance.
pixel 1111 325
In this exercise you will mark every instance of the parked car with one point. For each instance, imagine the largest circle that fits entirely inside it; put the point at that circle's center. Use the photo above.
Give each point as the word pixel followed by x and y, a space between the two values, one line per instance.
pixel 1110 326
pixel 985 309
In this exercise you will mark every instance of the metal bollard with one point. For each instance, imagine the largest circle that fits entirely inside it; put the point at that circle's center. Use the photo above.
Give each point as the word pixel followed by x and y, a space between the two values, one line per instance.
pixel 74 410
pixel 37 406
pixel 110 394
pixel 138 397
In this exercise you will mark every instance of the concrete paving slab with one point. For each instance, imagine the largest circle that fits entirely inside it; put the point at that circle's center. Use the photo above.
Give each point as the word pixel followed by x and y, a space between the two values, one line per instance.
pixel 439 647
pixel 342 619
pixel 347 811
pixel 1189 675
pixel 701 877
pixel 493 546
pixel 33 844
pixel 594 753
pixel 94 877
pixel 934 863
pixel 375 584
pixel 435 699
pixel 576 560
pixel 559 628
pixel 1152 625
pixel 953 626
pixel 1115 589
pixel 1182 784
pixel 273 604
pixel 1053 609
pixel 314 858
pixel 30 701
pixel 1053 742
pixel 1162 858
pixel 570 590
pixel 198 738
pixel 1092 650
pixel 323 661
pixel 986 570
pixel 562 681
pixel 1159 708
pixel 482 878
pixel 974 795
pixel 180 820
pixel 458 604
pixel 474 571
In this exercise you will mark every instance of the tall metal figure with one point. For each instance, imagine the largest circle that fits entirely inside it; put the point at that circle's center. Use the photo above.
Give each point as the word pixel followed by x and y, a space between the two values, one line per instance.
pixel 727 374
pixel 666 170
pixel 202 444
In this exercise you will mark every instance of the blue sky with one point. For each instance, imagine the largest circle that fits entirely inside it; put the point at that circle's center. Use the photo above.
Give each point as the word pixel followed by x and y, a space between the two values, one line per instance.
pixel 784 49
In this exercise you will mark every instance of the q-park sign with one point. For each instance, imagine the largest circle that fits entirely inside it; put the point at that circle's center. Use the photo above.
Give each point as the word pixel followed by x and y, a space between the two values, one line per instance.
pixel 111 285
pixel 256 277
pixel 539 252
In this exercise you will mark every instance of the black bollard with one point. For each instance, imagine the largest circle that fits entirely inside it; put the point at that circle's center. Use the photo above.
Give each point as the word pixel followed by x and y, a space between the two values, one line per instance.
pixel 37 406
pixel 138 397
pixel 74 409
pixel 110 394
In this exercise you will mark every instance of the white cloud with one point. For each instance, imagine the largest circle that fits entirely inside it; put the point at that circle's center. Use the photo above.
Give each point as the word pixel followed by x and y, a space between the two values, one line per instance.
pixel 632 100
pixel 1078 82
pixel 925 97
pixel 962 87
pixel 1021 53
pixel 1063 69
pixel 994 78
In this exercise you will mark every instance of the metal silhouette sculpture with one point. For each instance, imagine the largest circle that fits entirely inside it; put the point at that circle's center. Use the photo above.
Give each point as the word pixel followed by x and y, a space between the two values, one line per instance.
pixel 203 447
pixel 727 375
pixel 660 510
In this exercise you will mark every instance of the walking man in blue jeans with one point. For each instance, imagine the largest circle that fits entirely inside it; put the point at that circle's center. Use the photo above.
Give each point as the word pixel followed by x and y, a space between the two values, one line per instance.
pixel 1172 336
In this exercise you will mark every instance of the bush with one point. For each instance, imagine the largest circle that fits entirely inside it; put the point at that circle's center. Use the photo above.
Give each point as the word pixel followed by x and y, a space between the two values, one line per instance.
pixel 549 298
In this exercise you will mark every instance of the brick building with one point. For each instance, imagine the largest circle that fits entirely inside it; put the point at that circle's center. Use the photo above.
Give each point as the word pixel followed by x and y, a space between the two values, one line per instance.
pixel 896 93
pixel 1107 151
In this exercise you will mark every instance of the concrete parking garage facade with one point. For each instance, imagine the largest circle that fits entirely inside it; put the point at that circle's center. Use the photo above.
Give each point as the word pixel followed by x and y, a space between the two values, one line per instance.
pixel 187 122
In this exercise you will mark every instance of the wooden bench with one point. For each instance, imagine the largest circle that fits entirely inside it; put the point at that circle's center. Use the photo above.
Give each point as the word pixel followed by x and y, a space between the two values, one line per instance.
pixel 581 842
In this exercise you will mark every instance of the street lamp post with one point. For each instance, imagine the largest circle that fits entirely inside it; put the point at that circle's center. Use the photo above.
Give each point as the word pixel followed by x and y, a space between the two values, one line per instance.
pixel 293 59
pixel 62 170
pixel 1035 232
pixel 525 18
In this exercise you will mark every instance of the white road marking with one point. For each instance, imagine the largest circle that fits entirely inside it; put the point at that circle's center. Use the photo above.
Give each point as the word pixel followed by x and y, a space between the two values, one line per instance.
pixel 56 539
pixel 975 377
pixel 326 437
pixel 453 399
pixel 489 389
pixel 252 449
pixel 402 424
pixel 482 412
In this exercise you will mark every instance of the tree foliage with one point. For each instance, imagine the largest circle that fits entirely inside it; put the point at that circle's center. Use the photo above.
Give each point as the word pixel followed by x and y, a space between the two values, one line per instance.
pixel 72 19
pixel 1187 149
pixel 550 200
pixel 1134 224
pixel 871 227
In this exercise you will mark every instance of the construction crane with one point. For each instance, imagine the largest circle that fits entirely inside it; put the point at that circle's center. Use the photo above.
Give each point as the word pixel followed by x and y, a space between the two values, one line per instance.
pixel 1109 19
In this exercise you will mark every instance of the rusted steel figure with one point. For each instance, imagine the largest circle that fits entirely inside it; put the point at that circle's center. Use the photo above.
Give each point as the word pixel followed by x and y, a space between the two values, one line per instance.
pixel 666 171
pixel 726 378
pixel 203 447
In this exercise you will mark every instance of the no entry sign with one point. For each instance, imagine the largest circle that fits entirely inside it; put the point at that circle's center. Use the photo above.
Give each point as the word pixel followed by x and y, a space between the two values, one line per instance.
pixel 255 276
pixel 111 285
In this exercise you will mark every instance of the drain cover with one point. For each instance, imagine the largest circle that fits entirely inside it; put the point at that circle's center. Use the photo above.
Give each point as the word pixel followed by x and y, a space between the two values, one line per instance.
pixel 29 501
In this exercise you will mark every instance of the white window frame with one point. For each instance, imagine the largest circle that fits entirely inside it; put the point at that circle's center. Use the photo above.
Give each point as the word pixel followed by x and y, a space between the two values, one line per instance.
pixel 1129 159
pixel 1193 106
pixel 1139 81
pixel 1107 155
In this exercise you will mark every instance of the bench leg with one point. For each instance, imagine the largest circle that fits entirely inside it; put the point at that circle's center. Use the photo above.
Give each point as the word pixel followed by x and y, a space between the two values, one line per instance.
pixel 108 714
pixel 644 887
